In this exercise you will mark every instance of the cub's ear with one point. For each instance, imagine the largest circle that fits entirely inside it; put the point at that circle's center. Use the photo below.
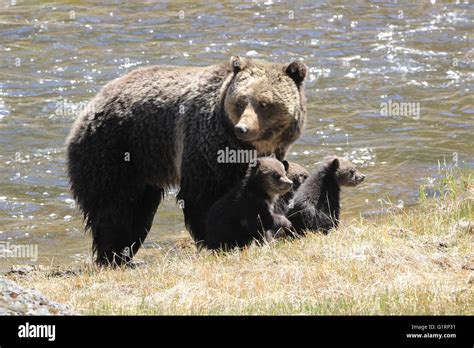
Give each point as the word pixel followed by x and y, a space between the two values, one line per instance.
pixel 334 164
pixel 297 71
pixel 286 165
pixel 253 167
pixel 237 64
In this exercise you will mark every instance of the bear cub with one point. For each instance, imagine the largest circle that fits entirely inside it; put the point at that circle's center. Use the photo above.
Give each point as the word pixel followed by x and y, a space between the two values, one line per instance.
pixel 316 204
pixel 297 174
pixel 246 212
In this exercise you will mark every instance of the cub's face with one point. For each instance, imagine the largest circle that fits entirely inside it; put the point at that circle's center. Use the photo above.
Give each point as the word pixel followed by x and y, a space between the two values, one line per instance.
pixel 272 176
pixel 345 172
pixel 296 173
pixel 263 100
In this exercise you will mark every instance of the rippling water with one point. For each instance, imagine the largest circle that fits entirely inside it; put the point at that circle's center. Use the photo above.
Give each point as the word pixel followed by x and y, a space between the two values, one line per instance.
pixel 365 58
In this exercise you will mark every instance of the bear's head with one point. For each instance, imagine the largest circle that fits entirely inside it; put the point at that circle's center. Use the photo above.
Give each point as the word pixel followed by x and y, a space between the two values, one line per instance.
pixel 297 173
pixel 265 103
pixel 344 171
pixel 269 174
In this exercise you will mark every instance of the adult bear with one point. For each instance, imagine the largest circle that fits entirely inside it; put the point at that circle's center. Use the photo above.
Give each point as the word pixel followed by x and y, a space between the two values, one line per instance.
pixel 161 127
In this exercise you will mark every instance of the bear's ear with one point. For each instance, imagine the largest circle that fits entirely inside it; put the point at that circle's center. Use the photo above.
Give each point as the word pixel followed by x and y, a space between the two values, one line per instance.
pixel 297 71
pixel 334 164
pixel 256 166
pixel 286 165
pixel 237 64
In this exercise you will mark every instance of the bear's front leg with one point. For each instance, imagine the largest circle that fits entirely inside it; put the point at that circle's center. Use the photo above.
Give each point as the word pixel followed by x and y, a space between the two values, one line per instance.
pixel 280 224
pixel 281 221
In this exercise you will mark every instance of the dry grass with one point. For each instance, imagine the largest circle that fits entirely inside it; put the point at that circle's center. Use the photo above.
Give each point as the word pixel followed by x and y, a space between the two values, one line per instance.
pixel 417 261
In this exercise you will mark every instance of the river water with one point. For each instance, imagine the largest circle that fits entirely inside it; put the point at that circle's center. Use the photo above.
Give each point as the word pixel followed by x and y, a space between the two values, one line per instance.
pixel 389 85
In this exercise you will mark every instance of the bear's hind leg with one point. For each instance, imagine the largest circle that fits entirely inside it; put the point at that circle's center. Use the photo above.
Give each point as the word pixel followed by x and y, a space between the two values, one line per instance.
pixel 118 236
pixel 144 211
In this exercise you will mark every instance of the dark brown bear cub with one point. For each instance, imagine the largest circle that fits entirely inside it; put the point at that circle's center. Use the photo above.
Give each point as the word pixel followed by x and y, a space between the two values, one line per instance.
pixel 297 174
pixel 316 203
pixel 245 213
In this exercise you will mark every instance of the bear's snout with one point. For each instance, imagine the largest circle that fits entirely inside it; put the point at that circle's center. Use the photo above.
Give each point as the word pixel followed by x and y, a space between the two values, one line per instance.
pixel 360 177
pixel 285 184
pixel 241 129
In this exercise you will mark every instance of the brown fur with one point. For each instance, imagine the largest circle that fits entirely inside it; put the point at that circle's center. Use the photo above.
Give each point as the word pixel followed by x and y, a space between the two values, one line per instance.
pixel 268 112
pixel 347 174
pixel 297 174
pixel 272 177
pixel 246 212
pixel 172 121
pixel 317 202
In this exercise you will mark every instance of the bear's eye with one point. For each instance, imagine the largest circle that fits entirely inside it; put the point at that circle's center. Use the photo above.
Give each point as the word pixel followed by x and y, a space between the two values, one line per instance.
pixel 276 176
pixel 264 105
pixel 240 105
pixel 352 171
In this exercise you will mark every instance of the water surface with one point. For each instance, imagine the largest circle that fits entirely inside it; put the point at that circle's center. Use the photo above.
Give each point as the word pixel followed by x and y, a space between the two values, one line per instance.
pixel 362 55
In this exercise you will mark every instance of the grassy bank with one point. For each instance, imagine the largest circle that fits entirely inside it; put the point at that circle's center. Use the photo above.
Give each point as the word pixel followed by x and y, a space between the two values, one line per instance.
pixel 411 261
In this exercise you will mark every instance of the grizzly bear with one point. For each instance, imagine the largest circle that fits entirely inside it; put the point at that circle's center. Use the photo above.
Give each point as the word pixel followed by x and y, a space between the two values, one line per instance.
pixel 245 213
pixel 316 204
pixel 297 174
pixel 161 127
